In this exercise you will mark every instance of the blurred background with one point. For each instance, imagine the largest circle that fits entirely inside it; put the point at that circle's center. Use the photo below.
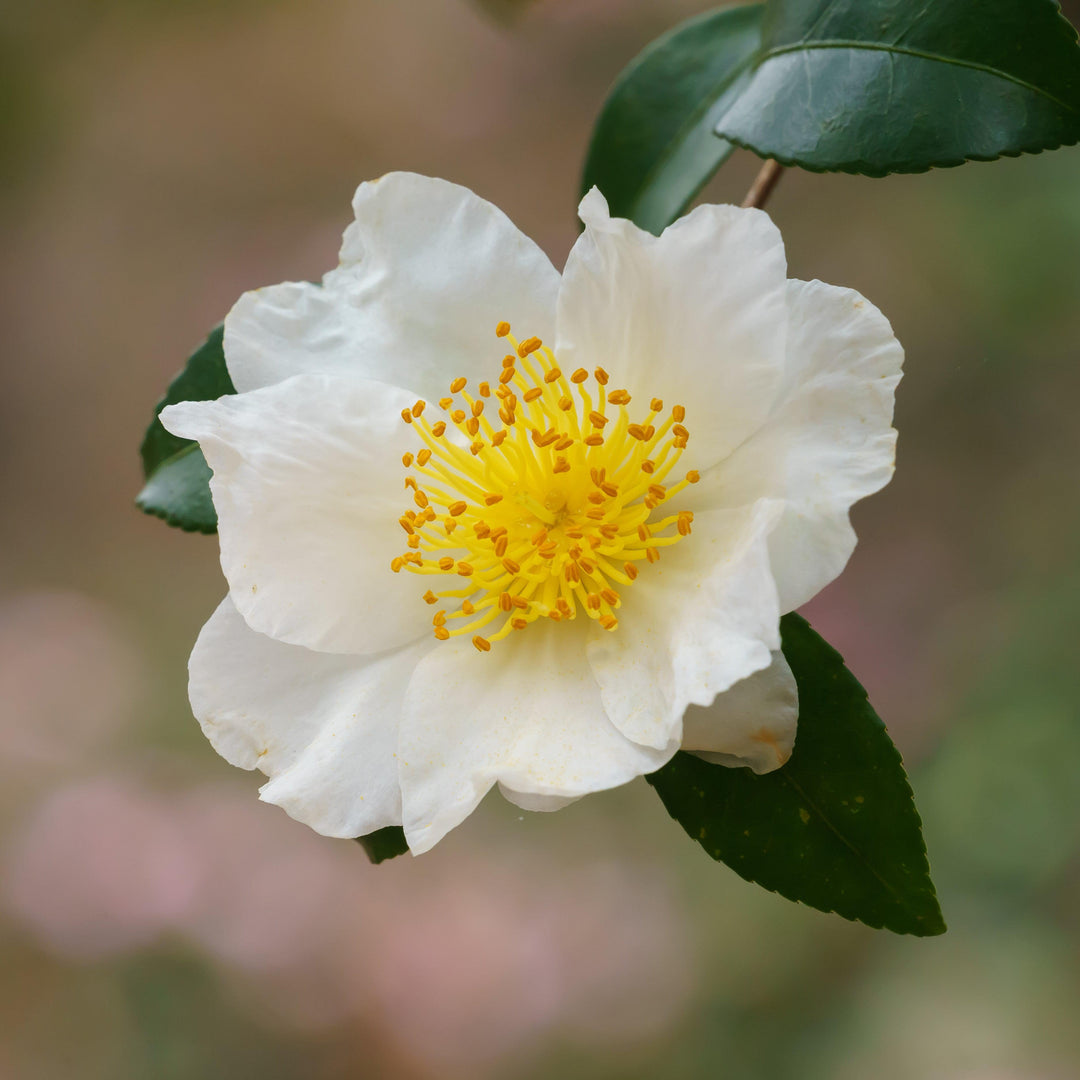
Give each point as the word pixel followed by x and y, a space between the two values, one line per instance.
pixel 157 159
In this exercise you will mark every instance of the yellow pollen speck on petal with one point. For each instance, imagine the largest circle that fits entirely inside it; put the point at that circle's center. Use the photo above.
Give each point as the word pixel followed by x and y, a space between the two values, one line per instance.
pixel 567 482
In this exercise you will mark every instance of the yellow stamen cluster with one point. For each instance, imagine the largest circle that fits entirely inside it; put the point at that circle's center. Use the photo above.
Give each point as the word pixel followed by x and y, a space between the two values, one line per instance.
pixel 533 498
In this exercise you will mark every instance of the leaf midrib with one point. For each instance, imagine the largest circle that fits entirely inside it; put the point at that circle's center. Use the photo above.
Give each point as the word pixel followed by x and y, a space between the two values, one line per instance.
pixel 693 121
pixel 888 885
pixel 837 43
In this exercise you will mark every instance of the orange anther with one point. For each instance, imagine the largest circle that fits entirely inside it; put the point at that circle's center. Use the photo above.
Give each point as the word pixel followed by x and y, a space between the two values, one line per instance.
pixel 458 384
pixel 502 329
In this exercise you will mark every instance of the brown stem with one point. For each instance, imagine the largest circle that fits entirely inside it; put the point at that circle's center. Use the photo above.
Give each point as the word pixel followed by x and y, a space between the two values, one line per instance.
pixel 762 187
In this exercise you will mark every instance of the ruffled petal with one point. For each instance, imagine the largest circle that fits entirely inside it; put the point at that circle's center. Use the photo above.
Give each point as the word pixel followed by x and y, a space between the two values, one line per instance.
pixel 323 727
pixel 828 442
pixel 308 489
pixel 527 714
pixel 692 625
pixel 752 724
pixel 696 316
pixel 427 271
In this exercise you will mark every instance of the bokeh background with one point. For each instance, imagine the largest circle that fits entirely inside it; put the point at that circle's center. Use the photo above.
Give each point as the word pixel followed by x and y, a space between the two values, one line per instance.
pixel 156 921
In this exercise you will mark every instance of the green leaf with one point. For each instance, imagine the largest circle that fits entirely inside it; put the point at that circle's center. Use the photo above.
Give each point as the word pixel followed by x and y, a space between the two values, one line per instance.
pixel 384 844
pixel 880 86
pixel 177 477
pixel 653 147
pixel 836 827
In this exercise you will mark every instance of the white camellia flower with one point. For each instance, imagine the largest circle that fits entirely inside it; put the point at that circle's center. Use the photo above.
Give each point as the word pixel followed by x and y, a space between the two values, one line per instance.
pixel 484 523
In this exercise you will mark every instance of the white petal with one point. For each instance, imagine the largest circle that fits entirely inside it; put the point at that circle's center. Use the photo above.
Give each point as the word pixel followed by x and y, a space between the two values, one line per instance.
pixel 829 441
pixel 752 724
pixel 527 714
pixel 696 316
pixel 702 618
pixel 529 801
pixel 427 271
pixel 324 727
pixel 308 487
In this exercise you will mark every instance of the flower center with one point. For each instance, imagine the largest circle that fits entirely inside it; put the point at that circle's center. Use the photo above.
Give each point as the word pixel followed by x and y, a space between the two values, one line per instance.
pixel 547 506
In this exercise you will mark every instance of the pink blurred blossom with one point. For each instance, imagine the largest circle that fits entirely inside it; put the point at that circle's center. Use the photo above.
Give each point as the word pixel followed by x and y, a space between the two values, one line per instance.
pixel 68 677
pixel 101 866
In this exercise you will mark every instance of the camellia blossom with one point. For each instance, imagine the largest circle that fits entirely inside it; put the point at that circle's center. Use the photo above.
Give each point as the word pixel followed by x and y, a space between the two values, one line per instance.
pixel 482 523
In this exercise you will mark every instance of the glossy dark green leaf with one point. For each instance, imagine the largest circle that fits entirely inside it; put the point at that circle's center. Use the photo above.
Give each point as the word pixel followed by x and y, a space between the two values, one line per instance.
pixel 384 844
pixel 883 86
pixel 177 476
pixel 836 827
pixel 654 144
